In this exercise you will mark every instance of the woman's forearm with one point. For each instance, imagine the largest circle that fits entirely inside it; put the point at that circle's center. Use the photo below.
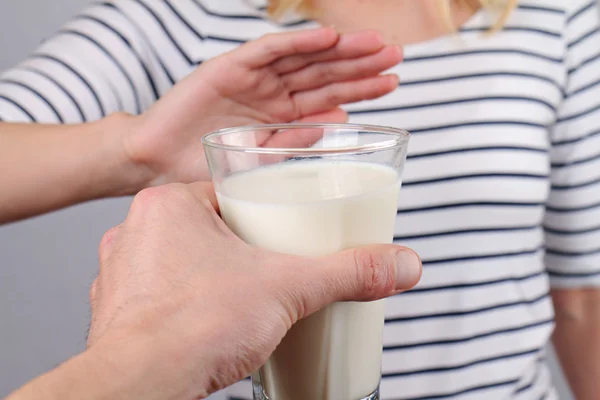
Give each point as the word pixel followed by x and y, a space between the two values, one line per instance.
pixel 46 167
pixel 576 339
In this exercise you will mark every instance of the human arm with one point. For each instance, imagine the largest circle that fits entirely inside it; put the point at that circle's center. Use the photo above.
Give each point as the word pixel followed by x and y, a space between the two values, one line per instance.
pixel 93 375
pixel 577 338
pixel 572 221
pixel 46 167
pixel 182 307
pixel 280 78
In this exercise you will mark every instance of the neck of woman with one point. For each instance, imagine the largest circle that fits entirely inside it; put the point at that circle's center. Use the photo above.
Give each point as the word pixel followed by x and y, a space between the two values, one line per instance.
pixel 401 22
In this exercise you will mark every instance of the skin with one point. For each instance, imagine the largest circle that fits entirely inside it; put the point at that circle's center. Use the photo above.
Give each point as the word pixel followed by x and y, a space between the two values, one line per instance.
pixel 576 340
pixel 301 76
pixel 176 287
pixel 401 22
pixel 163 329
pixel 124 162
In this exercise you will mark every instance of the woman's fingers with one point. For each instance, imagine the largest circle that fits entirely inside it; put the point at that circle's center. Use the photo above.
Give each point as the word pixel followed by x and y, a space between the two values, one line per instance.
pixel 333 116
pixel 304 138
pixel 330 96
pixel 324 73
pixel 270 48
pixel 351 45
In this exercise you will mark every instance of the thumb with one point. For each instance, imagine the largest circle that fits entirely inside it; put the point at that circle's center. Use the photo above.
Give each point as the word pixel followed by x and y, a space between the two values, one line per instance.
pixel 371 272
pixel 363 274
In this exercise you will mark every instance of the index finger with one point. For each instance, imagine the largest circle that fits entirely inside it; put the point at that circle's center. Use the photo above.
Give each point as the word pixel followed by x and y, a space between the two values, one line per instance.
pixel 205 193
pixel 349 46
pixel 271 47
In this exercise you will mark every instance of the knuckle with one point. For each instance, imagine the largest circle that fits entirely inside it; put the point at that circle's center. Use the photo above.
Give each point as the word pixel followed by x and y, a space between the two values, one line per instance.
pixel 364 67
pixel 272 44
pixel 106 243
pixel 93 293
pixel 155 199
pixel 376 273
pixel 176 195
pixel 325 73
pixel 148 198
pixel 333 98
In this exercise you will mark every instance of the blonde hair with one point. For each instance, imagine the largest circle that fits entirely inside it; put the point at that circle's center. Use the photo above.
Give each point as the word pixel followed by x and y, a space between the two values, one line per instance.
pixel 277 8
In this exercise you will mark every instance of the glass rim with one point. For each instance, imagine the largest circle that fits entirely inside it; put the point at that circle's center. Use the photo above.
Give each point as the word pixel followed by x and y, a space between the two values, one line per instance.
pixel 398 137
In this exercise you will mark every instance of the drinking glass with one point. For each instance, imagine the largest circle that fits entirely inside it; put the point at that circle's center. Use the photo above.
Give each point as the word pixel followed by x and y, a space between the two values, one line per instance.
pixel 313 190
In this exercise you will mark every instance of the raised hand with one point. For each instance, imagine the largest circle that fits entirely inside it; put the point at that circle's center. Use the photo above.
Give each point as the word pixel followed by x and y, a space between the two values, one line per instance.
pixel 300 76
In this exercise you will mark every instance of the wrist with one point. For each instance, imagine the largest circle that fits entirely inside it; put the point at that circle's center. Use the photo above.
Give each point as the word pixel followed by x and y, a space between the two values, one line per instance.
pixel 127 176
pixel 88 375
pixel 143 363
pixel 130 369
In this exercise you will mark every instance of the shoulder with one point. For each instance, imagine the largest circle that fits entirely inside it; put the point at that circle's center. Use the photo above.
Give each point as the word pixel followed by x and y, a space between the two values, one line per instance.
pixel 233 10
pixel 558 18
pixel 578 7
pixel 246 12
pixel 227 24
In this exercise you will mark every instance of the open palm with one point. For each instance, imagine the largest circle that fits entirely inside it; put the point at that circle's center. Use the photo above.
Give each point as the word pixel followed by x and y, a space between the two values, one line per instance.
pixel 300 76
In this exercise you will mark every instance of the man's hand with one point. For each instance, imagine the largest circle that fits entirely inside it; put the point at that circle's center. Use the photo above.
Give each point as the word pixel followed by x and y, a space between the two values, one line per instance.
pixel 300 76
pixel 184 307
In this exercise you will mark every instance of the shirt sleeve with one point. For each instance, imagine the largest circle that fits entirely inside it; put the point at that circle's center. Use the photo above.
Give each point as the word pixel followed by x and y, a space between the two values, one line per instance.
pixel 99 63
pixel 572 219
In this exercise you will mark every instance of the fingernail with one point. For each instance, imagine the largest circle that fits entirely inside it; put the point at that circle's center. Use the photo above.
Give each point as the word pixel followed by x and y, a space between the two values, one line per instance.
pixel 408 269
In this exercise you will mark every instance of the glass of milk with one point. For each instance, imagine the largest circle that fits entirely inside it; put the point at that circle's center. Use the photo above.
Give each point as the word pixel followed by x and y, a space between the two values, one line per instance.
pixel 313 190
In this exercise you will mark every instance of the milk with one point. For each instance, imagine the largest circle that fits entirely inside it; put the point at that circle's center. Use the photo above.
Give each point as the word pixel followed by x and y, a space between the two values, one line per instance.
pixel 314 208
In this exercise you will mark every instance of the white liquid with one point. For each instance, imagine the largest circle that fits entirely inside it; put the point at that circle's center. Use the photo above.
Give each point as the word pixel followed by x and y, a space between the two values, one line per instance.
pixel 315 208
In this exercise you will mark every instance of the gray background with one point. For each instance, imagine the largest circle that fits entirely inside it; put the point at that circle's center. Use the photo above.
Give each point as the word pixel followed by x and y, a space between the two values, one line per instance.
pixel 48 263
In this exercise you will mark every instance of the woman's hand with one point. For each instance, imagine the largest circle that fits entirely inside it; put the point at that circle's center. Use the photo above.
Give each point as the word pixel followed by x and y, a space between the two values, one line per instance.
pixel 182 307
pixel 299 76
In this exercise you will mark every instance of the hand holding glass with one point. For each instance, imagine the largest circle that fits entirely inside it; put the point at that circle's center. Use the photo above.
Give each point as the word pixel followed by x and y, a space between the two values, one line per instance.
pixel 313 190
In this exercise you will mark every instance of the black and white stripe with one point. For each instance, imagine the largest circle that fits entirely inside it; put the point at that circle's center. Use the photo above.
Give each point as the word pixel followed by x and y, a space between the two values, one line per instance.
pixel 501 195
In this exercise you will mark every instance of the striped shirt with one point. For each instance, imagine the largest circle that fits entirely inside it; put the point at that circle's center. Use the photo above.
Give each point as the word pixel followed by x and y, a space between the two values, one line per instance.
pixel 501 195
